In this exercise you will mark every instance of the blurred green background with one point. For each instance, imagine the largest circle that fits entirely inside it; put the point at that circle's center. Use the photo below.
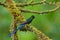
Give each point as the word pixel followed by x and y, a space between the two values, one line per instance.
pixel 48 23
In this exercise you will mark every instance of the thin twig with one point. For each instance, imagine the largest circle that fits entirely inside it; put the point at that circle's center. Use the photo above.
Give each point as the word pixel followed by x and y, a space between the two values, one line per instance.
pixel 35 3
pixel 37 12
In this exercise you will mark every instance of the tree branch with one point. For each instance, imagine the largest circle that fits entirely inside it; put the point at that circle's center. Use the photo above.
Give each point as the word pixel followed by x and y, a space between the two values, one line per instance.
pixel 37 12
pixel 41 35
pixel 35 3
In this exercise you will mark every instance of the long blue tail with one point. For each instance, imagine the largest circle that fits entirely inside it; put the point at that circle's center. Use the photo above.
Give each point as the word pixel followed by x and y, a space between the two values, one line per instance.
pixel 20 27
pixel 9 35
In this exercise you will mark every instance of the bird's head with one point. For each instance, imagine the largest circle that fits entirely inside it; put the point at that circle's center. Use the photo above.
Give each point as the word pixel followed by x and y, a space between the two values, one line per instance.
pixel 32 16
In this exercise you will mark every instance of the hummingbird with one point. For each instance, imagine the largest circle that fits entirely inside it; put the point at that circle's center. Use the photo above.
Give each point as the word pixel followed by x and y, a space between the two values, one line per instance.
pixel 28 21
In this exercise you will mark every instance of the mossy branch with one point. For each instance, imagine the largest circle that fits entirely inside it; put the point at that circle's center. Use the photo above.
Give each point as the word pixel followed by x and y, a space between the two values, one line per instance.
pixel 41 35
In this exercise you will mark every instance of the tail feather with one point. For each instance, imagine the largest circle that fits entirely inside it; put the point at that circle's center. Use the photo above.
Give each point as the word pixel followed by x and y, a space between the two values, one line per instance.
pixel 9 35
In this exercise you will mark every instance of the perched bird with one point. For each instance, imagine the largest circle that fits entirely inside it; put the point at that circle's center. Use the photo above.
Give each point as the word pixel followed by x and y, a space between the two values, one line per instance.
pixel 28 21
